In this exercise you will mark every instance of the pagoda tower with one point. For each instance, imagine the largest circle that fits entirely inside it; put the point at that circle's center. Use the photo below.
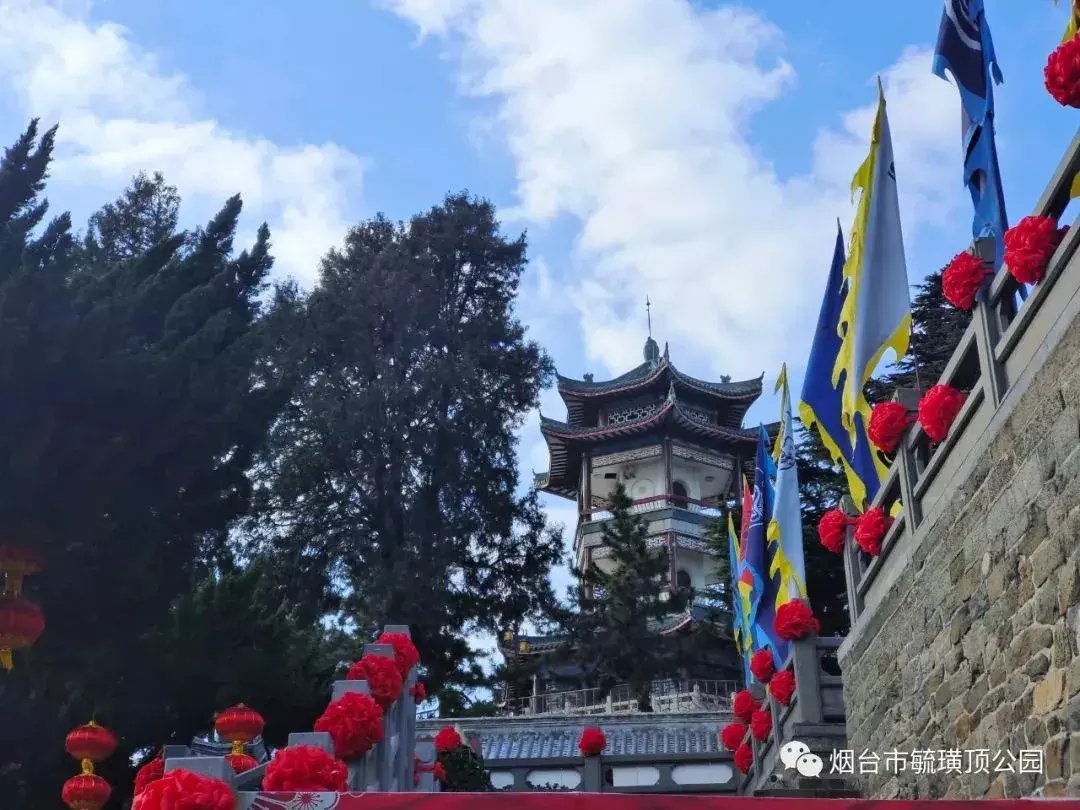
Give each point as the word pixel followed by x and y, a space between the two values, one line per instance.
pixel 677 445
pixel 675 442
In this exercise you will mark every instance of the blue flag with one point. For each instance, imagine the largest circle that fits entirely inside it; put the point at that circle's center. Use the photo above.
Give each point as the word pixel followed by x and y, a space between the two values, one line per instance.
pixel 822 403
pixel 739 624
pixel 761 512
pixel 966 50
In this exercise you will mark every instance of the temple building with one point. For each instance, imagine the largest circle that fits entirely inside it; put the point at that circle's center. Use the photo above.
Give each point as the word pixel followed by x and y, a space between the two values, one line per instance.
pixel 676 444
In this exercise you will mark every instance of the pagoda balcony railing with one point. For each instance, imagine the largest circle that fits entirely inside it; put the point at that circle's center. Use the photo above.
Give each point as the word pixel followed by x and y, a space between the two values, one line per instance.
pixel 667 696
pixel 1012 330
pixel 708 508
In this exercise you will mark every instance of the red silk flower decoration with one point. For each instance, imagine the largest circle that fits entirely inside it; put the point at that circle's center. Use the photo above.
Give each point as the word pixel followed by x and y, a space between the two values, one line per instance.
pixel 87 791
pixel 832 530
pixel 405 653
pixel 870 530
pixel 184 790
pixel 761 725
pixel 888 421
pixel 1062 73
pixel 962 279
pixel 150 772
pixel 732 735
pixel 354 722
pixel 795 620
pixel 744 705
pixel 782 686
pixel 305 768
pixel 1029 246
pixel 440 772
pixel 938 409
pixel 448 740
pixel 761 665
pixel 592 742
pixel 744 757
pixel 418 692
pixel 382 675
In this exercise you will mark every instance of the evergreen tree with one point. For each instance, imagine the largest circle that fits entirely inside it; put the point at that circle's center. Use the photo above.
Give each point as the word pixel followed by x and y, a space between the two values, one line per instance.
pixel 388 487
pixel 936 329
pixel 139 395
pixel 612 628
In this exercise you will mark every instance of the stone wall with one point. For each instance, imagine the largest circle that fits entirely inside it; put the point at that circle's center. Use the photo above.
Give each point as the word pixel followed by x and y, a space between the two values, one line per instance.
pixel 976 644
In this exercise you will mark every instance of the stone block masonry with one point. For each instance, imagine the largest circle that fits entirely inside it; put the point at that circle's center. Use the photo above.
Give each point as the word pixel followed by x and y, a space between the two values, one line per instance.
pixel 975 645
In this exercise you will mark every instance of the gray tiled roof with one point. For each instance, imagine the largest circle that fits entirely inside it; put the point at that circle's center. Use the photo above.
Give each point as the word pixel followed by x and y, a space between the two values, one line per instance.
pixel 553 738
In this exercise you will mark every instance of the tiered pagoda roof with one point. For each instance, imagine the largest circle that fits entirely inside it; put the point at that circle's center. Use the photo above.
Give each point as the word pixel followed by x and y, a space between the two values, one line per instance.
pixel 583 398
pixel 707 413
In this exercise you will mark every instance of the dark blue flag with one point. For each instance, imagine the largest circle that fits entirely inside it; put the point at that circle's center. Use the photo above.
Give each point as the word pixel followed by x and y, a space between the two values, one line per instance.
pixel 966 50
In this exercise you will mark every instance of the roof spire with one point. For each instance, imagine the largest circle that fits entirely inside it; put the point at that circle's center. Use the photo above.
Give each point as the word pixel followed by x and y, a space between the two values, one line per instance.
pixel 648 313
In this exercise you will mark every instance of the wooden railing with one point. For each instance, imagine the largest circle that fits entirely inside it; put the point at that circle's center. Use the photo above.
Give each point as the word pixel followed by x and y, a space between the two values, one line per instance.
pixel 1011 326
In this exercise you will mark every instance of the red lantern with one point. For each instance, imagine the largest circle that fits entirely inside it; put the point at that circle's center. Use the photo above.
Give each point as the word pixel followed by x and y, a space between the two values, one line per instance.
pixel 239 725
pixel 242 762
pixel 87 791
pixel 89 744
pixel 21 625
pixel 17 563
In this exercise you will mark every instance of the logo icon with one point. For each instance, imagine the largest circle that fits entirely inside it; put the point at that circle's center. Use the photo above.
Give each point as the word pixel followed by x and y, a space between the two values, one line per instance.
pixel 795 754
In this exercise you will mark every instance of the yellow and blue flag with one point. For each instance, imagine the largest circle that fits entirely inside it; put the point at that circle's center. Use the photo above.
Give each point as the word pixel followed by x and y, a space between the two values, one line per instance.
pixel 756 556
pixel 1074 21
pixel 785 536
pixel 821 402
pixel 740 626
pixel 876 314
pixel 966 50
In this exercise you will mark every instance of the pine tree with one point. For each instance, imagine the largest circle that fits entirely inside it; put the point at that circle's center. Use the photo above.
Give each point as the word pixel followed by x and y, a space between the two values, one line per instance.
pixel 142 396
pixel 612 628
pixel 388 487
pixel 936 329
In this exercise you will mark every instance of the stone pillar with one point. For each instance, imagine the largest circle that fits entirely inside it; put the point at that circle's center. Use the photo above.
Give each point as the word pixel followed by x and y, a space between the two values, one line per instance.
pixel 804 654
pixel 318 739
pixel 384 751
pixel 592 777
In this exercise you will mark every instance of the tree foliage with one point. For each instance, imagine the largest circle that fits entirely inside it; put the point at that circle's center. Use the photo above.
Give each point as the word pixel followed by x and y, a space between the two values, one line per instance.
pixel 137 399
pixel 388 486
pixel 611 628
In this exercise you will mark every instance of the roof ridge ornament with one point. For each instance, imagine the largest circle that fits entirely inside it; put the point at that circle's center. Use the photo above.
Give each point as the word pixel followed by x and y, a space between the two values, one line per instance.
pixel 671 391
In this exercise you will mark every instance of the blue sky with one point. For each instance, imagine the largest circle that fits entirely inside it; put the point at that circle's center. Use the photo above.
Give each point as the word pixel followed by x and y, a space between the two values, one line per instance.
pixel 694 152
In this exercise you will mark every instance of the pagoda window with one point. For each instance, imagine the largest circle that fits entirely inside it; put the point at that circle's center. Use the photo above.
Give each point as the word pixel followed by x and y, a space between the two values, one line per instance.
pixel 678 489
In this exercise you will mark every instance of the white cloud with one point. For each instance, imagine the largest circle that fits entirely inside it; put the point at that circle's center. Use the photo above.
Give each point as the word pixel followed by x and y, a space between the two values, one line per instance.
pixel 121 113
pixel 632 117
